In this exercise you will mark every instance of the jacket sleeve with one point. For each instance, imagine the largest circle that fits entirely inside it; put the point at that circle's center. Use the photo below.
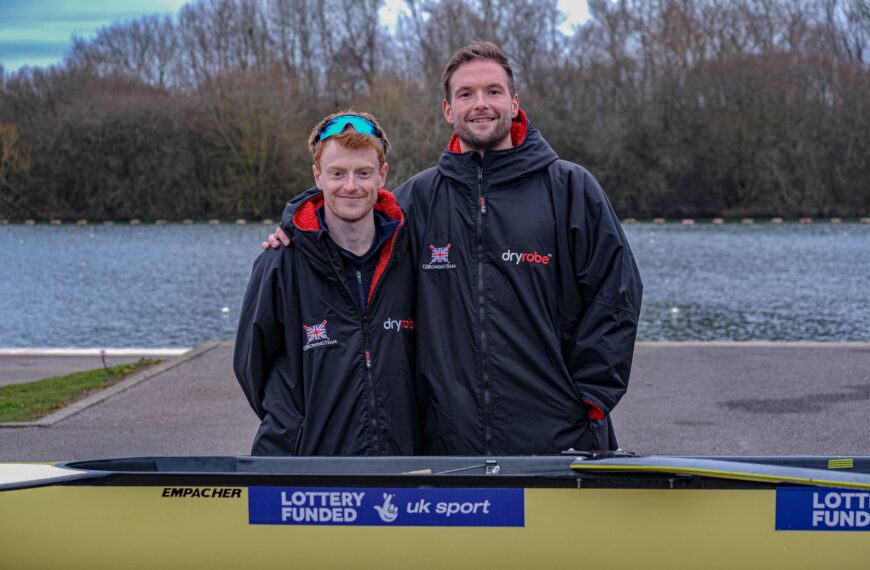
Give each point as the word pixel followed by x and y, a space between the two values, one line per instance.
pixel 600 340
pixel 266 370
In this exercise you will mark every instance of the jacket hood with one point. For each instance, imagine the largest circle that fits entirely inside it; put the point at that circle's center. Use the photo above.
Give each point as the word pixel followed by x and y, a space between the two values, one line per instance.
pixel 295 204
pixel 529 153
pixel 300 221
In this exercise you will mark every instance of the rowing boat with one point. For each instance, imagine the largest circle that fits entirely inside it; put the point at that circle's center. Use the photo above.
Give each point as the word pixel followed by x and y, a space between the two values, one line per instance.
pixel 619 511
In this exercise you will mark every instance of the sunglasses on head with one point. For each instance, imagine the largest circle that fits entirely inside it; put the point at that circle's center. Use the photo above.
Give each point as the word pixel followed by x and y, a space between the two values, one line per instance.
pixel 339 124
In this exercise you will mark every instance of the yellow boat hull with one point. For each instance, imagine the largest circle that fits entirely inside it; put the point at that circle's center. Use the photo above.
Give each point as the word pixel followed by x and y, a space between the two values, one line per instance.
pixel 137 527
pixel 160 520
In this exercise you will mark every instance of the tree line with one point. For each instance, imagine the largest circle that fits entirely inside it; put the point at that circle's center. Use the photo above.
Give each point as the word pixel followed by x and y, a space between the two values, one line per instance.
pixel 679 107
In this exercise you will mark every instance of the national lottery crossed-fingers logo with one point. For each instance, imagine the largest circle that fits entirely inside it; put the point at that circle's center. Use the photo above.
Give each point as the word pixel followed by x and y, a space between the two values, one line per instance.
pixel 317 337
pixel 440 257
pixel 388 512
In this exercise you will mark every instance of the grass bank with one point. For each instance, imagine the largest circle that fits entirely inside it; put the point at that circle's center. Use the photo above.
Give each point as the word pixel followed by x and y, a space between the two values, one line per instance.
pixel 33 400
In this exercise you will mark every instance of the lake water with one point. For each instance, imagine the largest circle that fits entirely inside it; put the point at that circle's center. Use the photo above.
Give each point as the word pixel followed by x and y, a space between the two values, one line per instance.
pixel 167 286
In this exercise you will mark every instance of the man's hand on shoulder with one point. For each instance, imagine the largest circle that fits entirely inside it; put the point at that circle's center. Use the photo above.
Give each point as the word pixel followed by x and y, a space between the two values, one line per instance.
pixel 276 239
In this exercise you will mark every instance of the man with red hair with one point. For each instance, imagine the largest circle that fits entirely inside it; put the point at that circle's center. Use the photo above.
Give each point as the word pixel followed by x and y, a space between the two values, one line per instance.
pixel 325 344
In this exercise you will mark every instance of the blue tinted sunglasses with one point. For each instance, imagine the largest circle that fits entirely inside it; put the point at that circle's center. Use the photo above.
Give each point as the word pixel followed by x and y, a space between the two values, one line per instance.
pixel 339 125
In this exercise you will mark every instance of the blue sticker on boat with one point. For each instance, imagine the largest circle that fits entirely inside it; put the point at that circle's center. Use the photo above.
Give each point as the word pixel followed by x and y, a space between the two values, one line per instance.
pixel 386 507
pixel 822 508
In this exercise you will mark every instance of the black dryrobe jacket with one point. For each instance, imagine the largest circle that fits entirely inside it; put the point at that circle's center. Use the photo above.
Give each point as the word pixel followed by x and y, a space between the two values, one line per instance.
pixel 527 300
pixel 324 377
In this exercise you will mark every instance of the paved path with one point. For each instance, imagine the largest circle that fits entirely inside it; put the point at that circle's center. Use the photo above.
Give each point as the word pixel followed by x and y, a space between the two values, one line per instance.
pixel 685 398
pixel 748 399
pixel 23 365
pixel 194 408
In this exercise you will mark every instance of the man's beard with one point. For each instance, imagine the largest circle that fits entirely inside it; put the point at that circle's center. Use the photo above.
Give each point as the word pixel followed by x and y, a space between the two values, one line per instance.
pixel 487 142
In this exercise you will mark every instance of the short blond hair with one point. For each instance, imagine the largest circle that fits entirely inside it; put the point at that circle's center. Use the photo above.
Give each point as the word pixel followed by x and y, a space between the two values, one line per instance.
pixel 349 138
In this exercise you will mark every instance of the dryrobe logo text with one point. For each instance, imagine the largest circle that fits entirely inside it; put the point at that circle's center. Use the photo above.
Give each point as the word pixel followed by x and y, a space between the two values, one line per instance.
pixel 317 337
pixel 533 258
pixel 822 509
pixel 399 325
pixel 440 257
pixel 386 507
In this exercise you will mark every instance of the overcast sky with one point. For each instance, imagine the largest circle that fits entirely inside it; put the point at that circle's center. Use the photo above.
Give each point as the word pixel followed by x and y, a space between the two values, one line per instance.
pixel 38 32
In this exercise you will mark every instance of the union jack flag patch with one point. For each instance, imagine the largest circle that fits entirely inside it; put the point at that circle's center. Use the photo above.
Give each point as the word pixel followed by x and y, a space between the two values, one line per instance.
pixel 316 332
pixel 439 254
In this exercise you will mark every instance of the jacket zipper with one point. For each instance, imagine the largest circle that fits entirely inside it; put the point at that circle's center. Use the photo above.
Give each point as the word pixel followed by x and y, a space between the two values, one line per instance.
pixel 368 360
pixel 360 292
pixel 487 434
pixel 367 356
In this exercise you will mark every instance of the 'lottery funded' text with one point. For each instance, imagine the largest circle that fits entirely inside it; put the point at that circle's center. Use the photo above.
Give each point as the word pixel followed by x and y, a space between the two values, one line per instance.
pixel 385 506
